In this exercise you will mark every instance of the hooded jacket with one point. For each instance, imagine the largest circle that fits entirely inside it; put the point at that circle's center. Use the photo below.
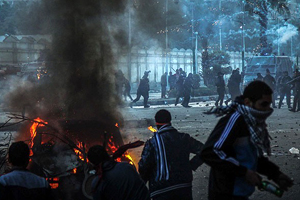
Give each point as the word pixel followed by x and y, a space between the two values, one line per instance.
pixel 165 160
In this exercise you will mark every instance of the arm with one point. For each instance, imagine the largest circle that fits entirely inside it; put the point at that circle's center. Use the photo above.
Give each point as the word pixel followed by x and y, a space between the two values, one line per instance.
pixel 273 172
pixel 218 150
pixel 146 162
pixel 195 147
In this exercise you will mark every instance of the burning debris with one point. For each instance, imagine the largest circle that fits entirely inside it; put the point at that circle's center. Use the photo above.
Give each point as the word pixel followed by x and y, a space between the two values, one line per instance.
pixel 60 153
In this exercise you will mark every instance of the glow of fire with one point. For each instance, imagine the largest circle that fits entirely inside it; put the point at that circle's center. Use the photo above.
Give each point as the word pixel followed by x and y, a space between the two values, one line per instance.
pixel 152 129
pixel 79 153
pixel 36 123
pixel 114 148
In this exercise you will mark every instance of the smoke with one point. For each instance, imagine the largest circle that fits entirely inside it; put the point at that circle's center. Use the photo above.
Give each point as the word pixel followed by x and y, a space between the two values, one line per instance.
pixel 81 62
pixel 286 33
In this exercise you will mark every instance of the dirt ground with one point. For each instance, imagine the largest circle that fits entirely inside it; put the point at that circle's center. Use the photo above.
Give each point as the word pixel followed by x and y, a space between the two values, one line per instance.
pixel 283 126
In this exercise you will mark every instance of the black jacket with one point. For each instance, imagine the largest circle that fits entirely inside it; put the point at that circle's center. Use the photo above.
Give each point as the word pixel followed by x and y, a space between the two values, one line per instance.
pixel 165 160
pixel 229 152
pixel 119 181
pixel 24 185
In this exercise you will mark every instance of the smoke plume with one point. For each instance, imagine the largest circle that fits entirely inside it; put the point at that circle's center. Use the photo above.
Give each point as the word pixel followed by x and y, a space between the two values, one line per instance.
pixel 81 62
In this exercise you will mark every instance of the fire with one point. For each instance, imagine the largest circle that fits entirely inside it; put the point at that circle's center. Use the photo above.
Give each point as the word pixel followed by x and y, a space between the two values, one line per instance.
pixel 114 148
pixel 117 125
pixel 36 123
pixel 152 129
pixel 53 182
pixel 78 152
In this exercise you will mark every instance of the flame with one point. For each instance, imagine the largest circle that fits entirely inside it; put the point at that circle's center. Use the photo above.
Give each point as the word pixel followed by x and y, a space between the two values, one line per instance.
pixel 78 152
pixel 113 148
pixel 36 123
pixel 152 129
pixel 53 182
pixel 74 170
pixel 117 125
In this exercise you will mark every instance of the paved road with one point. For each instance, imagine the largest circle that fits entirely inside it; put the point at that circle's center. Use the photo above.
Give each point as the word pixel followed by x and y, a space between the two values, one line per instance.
pixel 283 126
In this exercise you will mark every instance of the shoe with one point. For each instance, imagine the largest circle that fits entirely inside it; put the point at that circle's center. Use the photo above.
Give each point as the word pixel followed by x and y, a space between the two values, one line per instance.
pixel 226 103
pixel 187 106
pixel 147 106
pixel 130 104
pixel 292 110
pixel 274 106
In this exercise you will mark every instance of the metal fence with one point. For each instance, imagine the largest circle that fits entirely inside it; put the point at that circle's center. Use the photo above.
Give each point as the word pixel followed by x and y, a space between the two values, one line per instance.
pixel 158 61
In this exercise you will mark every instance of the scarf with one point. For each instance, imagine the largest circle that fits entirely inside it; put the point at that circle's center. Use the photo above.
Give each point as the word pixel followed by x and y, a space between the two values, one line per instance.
pixel 256 123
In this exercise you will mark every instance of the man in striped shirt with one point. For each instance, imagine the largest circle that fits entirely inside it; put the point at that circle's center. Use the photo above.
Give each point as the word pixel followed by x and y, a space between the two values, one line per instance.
pixel 165 161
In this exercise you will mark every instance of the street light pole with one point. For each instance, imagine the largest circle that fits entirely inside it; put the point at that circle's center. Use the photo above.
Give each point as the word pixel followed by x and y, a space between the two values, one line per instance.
pixel 243 39
pixel 220 26
pixel 196 54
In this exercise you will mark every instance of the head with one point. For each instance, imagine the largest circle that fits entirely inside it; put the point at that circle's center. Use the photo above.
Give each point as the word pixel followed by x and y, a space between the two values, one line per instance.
pixel 18 154
pixel 162 117
pixel 170 73
pixel 97 154
pixel 258 74
pixel 258 95
pixel 190 75
pixel 267 71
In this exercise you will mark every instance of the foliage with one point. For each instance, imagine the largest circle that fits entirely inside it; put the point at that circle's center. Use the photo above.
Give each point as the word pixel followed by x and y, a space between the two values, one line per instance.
pixel 6 23
pixel 212 63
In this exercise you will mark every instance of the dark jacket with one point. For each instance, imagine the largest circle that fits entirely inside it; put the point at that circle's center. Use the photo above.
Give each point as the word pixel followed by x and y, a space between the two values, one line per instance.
pixel 24 185
pixel 165 160
pixel 144 86
pixel 187 86
pixel 270 80
pixel 229 152
pixel 282 84
pixel 119 181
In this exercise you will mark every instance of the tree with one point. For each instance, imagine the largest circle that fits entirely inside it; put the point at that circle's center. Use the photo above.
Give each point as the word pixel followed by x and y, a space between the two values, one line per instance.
pixel 212 63
pixel 261 9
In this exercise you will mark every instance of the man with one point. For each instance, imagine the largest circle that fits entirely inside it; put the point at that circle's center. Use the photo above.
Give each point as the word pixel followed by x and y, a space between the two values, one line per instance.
pixel 172 80
pixel 284 89
pixel 165 161
pixel 179 88
pixel 296 91
pixel 271 82
pixel 143 90
pixel 115 180
pixel 234 86
pixel 20 184
pixel 234 149
pixel 187 90
pixel 127 89
pixel 163 83
pixel 259 77
pixel 220 83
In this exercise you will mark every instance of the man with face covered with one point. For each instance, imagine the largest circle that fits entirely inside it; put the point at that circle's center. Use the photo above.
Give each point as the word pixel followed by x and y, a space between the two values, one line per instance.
pixel 235 148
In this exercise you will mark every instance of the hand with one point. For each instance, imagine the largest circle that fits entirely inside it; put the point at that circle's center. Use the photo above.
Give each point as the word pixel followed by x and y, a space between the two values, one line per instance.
pixel 253 178
pixel 284 182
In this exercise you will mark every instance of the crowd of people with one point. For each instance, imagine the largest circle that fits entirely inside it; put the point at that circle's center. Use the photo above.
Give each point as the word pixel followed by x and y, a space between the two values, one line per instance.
pixel 234 151
pixel 283 86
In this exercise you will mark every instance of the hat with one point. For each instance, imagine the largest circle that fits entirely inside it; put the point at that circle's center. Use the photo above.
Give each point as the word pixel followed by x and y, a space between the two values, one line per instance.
pixel 163 116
